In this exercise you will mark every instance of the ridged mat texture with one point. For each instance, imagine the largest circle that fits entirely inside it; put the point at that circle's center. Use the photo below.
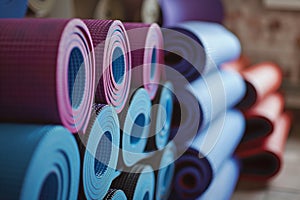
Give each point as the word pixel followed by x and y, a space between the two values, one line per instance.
pixel 47 72
pixel 113 62
pixel 146 42
pixel 99 149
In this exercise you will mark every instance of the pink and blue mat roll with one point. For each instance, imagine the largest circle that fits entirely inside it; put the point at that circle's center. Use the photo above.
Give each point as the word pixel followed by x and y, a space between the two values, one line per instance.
pixel 113 62
pixel 47 72
pixel 197 167
pixel 45 157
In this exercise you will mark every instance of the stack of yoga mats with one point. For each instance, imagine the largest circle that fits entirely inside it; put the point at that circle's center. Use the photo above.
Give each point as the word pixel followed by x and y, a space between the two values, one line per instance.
pixel 125 90
pixel 62 76
pixel 267 124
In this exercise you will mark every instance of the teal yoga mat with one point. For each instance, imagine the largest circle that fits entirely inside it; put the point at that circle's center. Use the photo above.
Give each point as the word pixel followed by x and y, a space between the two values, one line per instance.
pixel 38 162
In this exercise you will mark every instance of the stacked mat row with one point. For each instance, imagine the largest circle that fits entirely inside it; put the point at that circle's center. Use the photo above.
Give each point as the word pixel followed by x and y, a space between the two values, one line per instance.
pixel 267 124
pixel 98 79
pixel 206 127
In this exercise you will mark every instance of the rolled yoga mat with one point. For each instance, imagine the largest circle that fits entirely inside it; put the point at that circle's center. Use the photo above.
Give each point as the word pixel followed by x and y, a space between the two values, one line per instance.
pixel 199 48
pixel 197 167
pixel 216 92
pixel 258 86
pixel 13 8
pixel 41 8
pixel 161 116
pixel 186 116
pixel 114 194
pixel 262 162
pixel 146 44
pixel 45 157
pixel 135 127
pixel 113 62
pixel 162 162
pixel 223 184
pixel 137 184
pixel 99 149
pixel 59 92
pixel 260 120
pixel 172 12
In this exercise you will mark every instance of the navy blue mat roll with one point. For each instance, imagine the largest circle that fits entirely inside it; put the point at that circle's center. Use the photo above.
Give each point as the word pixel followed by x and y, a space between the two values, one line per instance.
pixel 161 115
pixel 135 127
pixel 38 162
pixel 114 194
pixel 196 168
pixel 137 184
pixel 224 182
pixel 216 92
pixel 13 8
pixel 100 152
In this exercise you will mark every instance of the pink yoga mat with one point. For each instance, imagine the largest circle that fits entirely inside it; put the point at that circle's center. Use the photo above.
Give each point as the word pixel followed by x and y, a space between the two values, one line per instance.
pixel 47 72
pixel 112 55
pixel 146 43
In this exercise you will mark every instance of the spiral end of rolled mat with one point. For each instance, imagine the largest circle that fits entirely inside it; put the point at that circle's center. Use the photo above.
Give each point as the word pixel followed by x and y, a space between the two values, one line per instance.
pixel 75 76
pixel 101 153
pixel 55 176
pixel 114 194
pixel 138 183
pixel 184 53
pixel 165 173
pixel 13 8
pixel 187 116
pixel 164 116
pixel 135 122
pixel 193 175
pixel 113 62
pixel 146 42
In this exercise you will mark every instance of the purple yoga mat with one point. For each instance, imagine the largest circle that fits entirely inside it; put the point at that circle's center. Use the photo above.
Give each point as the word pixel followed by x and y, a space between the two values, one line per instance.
pixel 176 11
pixel 47 72
pixel 112 55
pixel 146 43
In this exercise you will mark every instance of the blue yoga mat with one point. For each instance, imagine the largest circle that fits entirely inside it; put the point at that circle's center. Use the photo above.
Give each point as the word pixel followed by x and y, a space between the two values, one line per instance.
pixel 100 152
pixel 13 8
pixel 165 173
pixel 216 92
pixel 114 194
pixel 197 167
pixel 38 162
pixel 138 183
pixel 135 126
pixel 161 116
pixel 223 184
pixel 194 48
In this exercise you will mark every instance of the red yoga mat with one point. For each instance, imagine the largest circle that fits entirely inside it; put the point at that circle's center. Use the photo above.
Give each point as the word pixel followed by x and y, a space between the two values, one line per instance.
pixel 113 62
pixel 47 72
pixel 260 120
pixel 262 79
pixel 263 161
pixel 146 42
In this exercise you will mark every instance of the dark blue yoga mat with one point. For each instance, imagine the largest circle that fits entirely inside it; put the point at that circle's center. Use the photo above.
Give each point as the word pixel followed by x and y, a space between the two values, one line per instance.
pixel 13 8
